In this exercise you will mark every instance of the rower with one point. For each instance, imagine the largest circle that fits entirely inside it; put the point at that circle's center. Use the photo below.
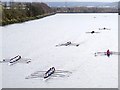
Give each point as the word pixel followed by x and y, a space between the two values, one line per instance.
pixel 108 53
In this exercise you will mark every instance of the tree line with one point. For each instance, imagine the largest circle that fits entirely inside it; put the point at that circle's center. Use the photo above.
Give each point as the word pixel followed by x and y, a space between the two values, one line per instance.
pixel 16 12
pixel 85 10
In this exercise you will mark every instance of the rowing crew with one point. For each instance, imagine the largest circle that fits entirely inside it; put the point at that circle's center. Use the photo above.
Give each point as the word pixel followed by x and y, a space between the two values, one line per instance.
pixel 16 59
pixel 68 44
pixel 49 72
pixel 108 53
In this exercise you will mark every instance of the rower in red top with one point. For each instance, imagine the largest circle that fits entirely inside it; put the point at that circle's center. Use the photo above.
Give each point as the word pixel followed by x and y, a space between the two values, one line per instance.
pixel 108 52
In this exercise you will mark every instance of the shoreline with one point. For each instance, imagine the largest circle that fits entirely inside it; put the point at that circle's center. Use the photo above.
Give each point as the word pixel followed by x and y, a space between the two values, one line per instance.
pixel 26 19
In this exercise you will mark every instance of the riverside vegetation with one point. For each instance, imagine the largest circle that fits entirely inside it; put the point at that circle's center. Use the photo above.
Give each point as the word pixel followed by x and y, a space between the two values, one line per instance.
pixel 21 12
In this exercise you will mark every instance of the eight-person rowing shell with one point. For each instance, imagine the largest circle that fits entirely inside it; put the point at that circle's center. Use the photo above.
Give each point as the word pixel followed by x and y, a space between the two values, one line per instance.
pixel 104 28
pixel 68 44
pixel 92 32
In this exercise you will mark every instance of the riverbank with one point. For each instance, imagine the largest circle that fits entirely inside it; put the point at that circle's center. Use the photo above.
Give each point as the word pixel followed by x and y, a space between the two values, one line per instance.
pixel 12 21
pixel 18 12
